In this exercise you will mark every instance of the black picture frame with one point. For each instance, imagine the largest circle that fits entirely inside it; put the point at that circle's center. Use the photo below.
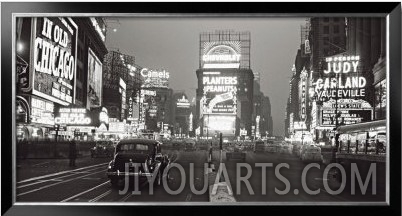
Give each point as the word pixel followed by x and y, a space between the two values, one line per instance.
pixel 392 10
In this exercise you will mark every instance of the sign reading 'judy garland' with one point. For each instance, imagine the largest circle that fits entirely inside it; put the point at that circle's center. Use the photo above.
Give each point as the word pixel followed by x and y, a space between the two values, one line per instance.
pixel 344 90
pixel 54 52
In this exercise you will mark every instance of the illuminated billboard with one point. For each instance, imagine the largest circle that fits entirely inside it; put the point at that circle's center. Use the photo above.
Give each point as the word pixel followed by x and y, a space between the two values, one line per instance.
pixel 343 88
pixel 54 59
pixel 220 124
pixel 183 102
pixel 341 79
pixel 219 94
pixel 72 116
pixel 155 78
pixel 94 80
pixel 222 54
pixel 350 111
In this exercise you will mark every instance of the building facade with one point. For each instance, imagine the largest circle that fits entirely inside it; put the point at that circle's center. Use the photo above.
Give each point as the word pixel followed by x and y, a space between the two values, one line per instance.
pixel 225 84
pixel 55 60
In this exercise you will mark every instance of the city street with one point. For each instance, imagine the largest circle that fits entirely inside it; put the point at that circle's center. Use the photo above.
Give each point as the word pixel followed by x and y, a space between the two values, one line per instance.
pixel 314 181
pixel 126 100
pixel 89 183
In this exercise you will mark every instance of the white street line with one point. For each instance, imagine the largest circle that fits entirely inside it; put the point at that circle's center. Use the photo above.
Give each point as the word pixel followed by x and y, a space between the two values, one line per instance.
pixel 100 196
pixel 91 178
pixel 130 194
pixel 41 163
pixel 47 186
pixel 41 181
pixel 91 189
pixel 58 173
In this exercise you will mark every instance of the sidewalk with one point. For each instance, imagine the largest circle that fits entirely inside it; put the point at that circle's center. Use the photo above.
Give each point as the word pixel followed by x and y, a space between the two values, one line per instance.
pixel 30 168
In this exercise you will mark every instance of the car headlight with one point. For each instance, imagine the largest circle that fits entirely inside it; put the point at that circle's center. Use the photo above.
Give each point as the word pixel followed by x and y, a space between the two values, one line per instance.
pixel 110 166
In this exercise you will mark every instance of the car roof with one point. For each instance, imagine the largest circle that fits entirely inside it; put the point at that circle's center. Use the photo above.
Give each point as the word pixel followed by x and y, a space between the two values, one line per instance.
pixel 137 141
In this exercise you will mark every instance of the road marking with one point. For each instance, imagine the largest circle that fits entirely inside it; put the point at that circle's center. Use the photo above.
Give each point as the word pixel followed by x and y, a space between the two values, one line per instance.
pixel 100 196
pixel 130 194
pixel 41 163
pixel 89 190
pixel 47 186
pixel 92 178
pixel 59 173
pixel 42 181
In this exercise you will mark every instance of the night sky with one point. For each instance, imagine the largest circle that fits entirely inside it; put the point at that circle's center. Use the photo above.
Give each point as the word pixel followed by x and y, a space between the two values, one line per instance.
pixel 173 44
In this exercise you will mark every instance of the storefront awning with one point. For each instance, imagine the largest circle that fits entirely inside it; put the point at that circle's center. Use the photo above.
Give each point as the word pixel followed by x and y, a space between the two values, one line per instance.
pixel 366 126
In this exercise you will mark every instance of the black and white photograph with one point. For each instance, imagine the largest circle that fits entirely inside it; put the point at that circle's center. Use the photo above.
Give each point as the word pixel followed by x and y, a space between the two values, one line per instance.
pixel 129 109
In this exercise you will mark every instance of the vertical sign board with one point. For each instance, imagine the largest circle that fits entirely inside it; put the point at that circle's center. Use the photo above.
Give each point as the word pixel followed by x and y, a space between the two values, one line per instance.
pixel 343 89
pixel 94 87
pixel 122 90
pixel 53 58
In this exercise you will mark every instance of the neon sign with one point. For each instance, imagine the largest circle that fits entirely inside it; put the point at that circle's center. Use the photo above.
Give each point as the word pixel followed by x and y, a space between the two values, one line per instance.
pixel 350 85
pixel 219 84
pixel 52 57
pixel 155 78
pixel 221 56
pixel 183 102
pixel 145 72
pixel 98 28
pixel 72 116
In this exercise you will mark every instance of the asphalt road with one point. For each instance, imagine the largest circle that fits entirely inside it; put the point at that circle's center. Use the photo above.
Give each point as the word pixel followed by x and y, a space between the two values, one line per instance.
pixel 45 181
pixel 90 183
pixel 294 192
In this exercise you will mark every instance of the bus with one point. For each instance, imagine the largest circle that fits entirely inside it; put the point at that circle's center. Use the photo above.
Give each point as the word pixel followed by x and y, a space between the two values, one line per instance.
pixel 363 138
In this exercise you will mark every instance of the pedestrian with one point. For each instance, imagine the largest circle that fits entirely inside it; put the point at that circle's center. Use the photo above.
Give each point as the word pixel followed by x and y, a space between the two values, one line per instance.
pixel 72 152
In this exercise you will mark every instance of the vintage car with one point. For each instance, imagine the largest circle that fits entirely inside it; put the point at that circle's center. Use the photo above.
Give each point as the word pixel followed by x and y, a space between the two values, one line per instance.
pixel 137 157
pixel 235 151
pixel 273 147
pixel 189 145
pixel 296 149
pixel 311 153
pixel 259 146
pixel 286 148
pixel 102 148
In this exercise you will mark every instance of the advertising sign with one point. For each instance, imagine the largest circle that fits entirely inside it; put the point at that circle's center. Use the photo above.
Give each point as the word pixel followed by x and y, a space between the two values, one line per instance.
pixel 183 102
pixel 54 59
pixel 219 95
pixel 117 127
pixel 94 80
pixel 341 79
pixel 22 73
pixel 303 94
pixel 122 90
pixel 72 116
pixel 42 111
pixel 223 54
pixel 350 111
pixel 155 78
pixel 345 117
pixel 130 109
pixel 223 124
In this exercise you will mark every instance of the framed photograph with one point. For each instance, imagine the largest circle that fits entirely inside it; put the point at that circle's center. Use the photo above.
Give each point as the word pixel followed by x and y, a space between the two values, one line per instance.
pixel 123 107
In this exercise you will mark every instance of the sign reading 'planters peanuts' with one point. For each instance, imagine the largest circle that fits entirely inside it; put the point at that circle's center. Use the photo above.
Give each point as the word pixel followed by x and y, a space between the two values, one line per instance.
pixel 54 59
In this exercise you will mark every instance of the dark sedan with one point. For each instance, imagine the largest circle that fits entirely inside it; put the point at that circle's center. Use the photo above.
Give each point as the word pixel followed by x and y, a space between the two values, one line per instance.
pixel 137 157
